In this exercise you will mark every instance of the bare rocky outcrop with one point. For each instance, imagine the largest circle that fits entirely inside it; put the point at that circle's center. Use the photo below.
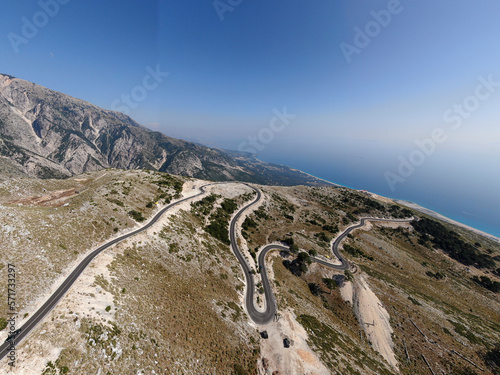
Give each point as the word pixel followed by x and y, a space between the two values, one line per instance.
pixel 47 134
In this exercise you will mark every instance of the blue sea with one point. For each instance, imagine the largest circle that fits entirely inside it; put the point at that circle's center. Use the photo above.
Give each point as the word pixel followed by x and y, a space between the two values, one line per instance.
pixel 464 186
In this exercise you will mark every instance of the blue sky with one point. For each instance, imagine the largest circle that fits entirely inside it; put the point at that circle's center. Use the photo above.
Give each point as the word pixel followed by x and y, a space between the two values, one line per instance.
pixel 228 77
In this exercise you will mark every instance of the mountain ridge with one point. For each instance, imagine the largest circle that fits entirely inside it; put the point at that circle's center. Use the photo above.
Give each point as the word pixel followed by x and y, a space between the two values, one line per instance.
pixel 48 134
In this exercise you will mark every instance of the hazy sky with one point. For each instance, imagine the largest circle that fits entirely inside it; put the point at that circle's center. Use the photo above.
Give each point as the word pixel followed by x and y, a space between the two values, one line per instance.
pixel 361 80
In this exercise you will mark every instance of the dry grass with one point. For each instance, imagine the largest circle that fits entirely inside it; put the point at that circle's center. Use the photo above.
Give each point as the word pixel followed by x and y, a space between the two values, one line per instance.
pixel 175 293
pixel 43 241
pixel 454 312
pixel 176 305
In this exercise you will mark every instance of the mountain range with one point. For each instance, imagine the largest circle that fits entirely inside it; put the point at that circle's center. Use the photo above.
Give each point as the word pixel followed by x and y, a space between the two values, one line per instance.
pixel 47 134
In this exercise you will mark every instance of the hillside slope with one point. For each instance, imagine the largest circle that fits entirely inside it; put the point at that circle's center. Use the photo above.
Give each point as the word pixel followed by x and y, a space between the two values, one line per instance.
pixel 170 300
pixel 47 134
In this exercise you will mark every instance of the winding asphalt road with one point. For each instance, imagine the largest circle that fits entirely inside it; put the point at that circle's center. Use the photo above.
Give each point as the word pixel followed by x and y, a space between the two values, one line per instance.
pixel 266 316
pixel 68 282
pixel 257 316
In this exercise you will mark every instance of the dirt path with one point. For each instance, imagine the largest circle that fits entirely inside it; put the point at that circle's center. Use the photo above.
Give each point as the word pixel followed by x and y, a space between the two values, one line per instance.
pixel 54 199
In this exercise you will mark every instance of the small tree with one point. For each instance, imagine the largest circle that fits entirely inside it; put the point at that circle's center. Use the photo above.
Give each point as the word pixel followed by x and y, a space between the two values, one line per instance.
pixel 492 357
pixel 348 275
pixel 303 257
pixel 299 265
pixel 330 283
pixel 315 289
pixel 323 237
pixel 303 267
pixel 313 253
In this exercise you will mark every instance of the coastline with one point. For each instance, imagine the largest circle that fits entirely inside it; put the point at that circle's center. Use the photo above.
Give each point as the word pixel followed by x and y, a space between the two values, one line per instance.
pixel 301 171
pixel 412 205
pixel 321 179
pixel 447 219
pixel 422 209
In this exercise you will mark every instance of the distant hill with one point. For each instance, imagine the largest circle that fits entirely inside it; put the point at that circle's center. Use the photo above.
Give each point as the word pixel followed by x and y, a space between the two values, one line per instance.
pixel 47 134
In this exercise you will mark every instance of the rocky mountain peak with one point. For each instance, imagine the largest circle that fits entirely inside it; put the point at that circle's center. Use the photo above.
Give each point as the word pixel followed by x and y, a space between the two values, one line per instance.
pixel 47 134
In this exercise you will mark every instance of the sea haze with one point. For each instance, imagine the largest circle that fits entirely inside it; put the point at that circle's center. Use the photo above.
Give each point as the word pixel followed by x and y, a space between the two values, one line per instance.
pixel 460 185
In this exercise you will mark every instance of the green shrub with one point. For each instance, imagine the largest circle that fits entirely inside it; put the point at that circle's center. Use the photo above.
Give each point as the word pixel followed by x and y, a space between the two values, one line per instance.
pixel 355 252
pixel 219 221
pixel 229 205
pixel 492 358
pixel 330 283
pixel 219 230
pixel 487 283
pixel 451 243
pixel 249 223
pixel 437 275
pixel 116 201
pixel 463 331
pixel 261 213
pixel 323 237
pixel 137 216
pixel 330 228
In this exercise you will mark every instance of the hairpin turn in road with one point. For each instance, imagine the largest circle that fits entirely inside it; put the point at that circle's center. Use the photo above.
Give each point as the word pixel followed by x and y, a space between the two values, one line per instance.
pixel 266 316
pixel 259 317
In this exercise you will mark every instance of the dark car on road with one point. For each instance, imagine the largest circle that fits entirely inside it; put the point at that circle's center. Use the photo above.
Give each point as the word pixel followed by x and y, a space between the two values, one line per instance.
pixel 13 335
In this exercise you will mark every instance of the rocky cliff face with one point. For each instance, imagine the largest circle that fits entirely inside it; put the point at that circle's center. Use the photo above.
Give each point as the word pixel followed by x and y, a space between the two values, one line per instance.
pixel 47 134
